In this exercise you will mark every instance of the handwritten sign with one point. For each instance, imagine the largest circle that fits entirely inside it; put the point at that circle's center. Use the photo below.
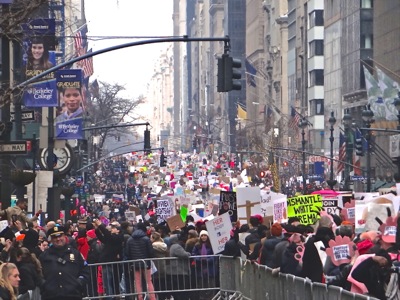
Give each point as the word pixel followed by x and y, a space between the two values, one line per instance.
pixel 130 216
pixel 227 203
pixel 163 210
pixel 280 210
pixel 306 208
pixel 219 230
pixel 175 222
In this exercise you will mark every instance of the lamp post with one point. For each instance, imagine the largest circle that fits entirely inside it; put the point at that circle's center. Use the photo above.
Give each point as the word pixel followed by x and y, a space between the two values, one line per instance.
pixel 331 182
pixel 347 121
pixel 303 124
pixel 368 118
pixel 396 103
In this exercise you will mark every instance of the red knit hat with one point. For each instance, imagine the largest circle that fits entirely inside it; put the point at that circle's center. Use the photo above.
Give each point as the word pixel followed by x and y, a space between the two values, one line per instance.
pixel 91 233
pixel 364 246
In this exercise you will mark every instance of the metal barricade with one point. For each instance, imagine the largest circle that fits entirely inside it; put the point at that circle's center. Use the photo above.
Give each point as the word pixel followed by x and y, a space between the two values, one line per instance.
pixel 204 277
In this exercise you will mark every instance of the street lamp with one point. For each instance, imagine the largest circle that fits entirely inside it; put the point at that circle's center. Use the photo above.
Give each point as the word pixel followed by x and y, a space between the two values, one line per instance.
pixel 347 123
pixel 303 125
pixel 331 182
pixel 368 118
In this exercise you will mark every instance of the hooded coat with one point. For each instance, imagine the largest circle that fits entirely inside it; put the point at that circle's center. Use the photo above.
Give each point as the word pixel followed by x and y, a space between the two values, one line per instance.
pixel 139 247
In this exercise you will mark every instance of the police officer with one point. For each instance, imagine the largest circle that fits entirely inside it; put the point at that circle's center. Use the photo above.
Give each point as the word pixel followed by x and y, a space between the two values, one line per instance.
pixel 64 269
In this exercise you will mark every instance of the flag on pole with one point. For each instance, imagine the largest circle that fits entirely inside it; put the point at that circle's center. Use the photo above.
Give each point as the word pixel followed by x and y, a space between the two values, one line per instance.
pixel 95 89
pixel 342 153
pixel 87 66
pixel 241 112
pixel 80 40
pixel 251 71
pixel 295 119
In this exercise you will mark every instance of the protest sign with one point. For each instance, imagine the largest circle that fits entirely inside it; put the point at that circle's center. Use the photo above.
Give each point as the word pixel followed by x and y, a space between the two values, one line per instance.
pixel 130 216
pixel 330 205
pixel 280 210
pixel 183 212
pixel 163 210
pixel 305 207
pixel 248 202
pixel 175 222
pixel 267 202
pixel 219 230
pixel 227 203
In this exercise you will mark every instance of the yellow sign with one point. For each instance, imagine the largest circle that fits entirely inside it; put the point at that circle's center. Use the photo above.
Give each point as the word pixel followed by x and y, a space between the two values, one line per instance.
pixel 306 208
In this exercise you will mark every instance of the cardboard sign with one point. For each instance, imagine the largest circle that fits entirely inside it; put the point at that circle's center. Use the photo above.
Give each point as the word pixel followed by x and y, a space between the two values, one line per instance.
pixel 248 202
pixel 306 208
pixel 175 222
pixel 280 210
pixel 219 230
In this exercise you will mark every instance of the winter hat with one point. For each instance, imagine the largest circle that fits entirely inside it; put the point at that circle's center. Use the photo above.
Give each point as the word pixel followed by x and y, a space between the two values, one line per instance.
pixel 364 246
pixel 91 233
pixel 276 229
pixel 203 232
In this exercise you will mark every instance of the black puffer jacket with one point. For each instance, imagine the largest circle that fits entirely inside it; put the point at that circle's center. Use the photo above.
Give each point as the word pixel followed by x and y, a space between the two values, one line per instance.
pixel 112 250
pixel 139 246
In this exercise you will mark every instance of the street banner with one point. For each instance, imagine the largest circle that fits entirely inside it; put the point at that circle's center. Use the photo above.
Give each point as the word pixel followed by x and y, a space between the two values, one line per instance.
pixel 219 230
pixel 39 56
pixel 305 207
pixel 69 121
pixel 227 204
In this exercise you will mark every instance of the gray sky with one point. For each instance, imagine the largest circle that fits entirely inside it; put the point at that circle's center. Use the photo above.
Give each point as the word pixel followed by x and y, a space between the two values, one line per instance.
pixel 132 67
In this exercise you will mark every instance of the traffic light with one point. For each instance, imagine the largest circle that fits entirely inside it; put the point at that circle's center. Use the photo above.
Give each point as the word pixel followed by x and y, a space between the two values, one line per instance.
pixel 285 164
pixel 194 143
pixel 147 145
pixel 359 147
pixel 229 74
pixel 163 160
pixel 85 160
pixel 263 174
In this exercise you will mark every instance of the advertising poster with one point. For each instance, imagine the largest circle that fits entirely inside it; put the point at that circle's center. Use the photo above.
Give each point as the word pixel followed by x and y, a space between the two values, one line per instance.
pixel 39 56
pixel 219 230
pixel 306 208
pixel 69 121
pixel 227 204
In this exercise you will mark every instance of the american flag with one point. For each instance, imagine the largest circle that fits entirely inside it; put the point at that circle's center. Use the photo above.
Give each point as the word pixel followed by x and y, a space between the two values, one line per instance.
pixel 342 153
pixel 87 66
pixel 80 40
pixel 295 119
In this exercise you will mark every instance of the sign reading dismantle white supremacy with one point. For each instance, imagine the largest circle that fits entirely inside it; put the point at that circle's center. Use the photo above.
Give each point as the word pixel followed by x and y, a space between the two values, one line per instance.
pixel 13 148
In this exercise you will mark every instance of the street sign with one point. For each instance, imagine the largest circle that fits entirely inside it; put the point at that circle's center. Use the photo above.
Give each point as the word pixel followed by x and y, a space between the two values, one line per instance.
pixel 357 178
pixel 27 115
pixel 17 147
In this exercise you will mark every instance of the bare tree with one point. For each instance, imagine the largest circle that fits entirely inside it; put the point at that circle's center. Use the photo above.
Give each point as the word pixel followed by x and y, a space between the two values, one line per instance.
pixel 107 107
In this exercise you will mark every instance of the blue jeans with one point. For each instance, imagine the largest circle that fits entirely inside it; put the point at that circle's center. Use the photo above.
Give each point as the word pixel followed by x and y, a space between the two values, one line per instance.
pixel 108 280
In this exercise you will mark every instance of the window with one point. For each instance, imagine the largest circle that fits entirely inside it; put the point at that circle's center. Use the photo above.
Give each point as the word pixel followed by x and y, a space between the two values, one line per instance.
pixel 367 41
pixel 317 106
pixel 316 48
pixel 316 77
pixel 366 3
pixel 317 18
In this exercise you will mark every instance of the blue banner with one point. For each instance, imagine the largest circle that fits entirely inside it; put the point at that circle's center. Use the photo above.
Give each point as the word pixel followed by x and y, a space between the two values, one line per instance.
pixel 69 121
pixel 38 45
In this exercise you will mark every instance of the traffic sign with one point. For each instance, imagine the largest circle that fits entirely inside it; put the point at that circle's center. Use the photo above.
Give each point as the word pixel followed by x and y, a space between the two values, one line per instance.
pixel 17 147
pixel 357 178
pixel 26 115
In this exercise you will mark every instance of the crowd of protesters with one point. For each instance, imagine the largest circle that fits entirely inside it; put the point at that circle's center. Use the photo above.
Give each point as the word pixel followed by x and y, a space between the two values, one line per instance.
pixel 55 260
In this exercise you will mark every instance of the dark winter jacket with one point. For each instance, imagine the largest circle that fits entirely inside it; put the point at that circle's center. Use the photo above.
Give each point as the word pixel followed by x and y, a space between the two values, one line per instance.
pixel 267 251
pixel 279 251
pixel 139 247
pixel 290 265
pixel 95 249
pixel 207 266
pixel 112 250
pixel 4 294
pixel 65 273
pixel 312 265
pixel 30 279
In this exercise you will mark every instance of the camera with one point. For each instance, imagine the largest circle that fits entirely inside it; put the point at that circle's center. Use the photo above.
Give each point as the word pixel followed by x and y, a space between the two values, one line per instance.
pixel 14 218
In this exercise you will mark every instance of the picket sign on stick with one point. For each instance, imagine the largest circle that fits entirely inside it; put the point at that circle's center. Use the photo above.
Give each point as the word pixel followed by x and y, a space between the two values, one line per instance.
pixel 248 207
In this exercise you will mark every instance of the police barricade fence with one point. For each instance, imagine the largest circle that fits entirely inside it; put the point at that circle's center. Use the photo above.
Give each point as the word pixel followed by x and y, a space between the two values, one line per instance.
pixel 204 277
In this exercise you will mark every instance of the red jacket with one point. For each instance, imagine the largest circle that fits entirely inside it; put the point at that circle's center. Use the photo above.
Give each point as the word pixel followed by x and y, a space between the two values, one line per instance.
pixel 83 246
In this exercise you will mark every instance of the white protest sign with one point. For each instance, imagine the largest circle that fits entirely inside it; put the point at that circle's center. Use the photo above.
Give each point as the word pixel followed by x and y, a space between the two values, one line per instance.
pixel 3 225
pixel 163 210
pixel 341 252
pixel 248 202
pixel 219 230
pixel 130 216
